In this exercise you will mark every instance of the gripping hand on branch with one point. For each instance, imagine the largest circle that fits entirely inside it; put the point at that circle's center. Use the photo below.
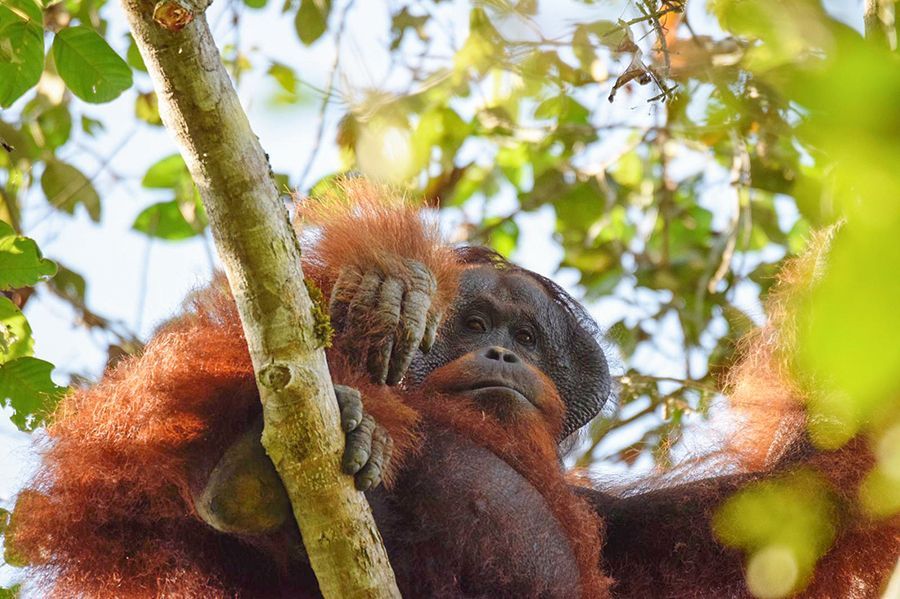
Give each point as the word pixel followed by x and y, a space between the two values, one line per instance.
pixel 383 317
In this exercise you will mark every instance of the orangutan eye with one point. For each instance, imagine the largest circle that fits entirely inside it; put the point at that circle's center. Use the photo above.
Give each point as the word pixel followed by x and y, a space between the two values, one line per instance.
pixel 525 337
pixel 476 323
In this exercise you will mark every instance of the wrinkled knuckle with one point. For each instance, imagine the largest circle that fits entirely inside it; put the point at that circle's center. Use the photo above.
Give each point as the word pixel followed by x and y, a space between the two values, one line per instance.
pixel 347 394
pixel 385 317
pixel 367 425
pixel 420 276
pixel 381 435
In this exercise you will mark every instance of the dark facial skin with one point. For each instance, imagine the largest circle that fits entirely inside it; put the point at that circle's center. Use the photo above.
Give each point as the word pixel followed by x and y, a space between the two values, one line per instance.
pixel 508 309
pixel 499 382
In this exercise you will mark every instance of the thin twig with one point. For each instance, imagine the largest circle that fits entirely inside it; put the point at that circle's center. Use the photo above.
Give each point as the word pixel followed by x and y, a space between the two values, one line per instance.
pixel 323 107
pixel 65 195
pixel 646 379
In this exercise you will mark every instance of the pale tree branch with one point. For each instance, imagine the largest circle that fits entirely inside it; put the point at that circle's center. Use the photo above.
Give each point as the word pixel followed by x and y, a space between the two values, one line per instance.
pixel 878 17
pixel 261 256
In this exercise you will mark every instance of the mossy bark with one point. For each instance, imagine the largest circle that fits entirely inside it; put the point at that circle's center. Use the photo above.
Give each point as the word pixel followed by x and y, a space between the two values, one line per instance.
pixel 261 256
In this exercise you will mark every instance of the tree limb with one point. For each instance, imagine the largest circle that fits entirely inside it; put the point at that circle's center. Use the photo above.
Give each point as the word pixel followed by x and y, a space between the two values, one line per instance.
pixel 878 18
pixel 261 256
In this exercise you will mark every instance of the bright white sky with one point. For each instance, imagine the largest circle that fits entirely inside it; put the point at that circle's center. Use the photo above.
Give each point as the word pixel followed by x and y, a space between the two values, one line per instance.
pixel 141 282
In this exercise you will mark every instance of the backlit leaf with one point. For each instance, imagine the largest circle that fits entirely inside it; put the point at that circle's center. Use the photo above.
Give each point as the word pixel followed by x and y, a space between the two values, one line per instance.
pixel 26 388
pixel 21 48
pixel 21 263
pixel 90 68
pixel 164 220
pixel 65 187
pixel 15 332
pixel 312 20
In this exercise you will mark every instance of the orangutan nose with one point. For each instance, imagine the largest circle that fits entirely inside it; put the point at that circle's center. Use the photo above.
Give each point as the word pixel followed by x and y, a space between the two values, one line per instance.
pixel 501 354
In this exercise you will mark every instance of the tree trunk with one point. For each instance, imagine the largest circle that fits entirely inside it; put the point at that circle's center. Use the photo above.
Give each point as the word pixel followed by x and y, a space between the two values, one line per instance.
pixel 261 256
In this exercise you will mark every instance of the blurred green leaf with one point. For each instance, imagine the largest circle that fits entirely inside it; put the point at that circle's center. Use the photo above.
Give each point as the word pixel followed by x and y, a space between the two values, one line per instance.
pixel 513 161
pixel 166 173
pixel 133 56
pixel 90 68
pixel 164 220
pixel 563 109
pixel 504 235
pixel 628 170
pixel 285 76
pixel 21 262
pixel 12 592
pixel 91 126
pixel 26 388
pixel 787 520
pixel 65 187
pixel 403 21
pixel 56 126
pixel 21 48
pixel 146 108
pixel 312 20
pixel 69 284
pixel 15 332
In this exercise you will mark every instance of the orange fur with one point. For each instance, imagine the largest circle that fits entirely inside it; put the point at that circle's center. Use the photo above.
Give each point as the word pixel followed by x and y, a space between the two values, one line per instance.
pixel 768 401
pixel 367 226
pixel 110 512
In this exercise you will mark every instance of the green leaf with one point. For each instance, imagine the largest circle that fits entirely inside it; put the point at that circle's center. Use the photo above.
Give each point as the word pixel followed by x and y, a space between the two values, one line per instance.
pixel 133 56
pixel 146 108
pixel 164 220
pixel 56 126
pixel 564 109
pixel 11 592
pixel 628 170
pixel 65 187
pixel 91 69
pixel 15 333
pixel 289 84
pixel 26 387
pixel 513 160
pixel 404 20
pixel 504 235
pixel 166 173
pixel 21 263
pixel 25 150
pixel 312 20
pixel 256 3
pixel 285 76
pixel 91 126
pixel 69 284
pixel 21 48
pixel 27 11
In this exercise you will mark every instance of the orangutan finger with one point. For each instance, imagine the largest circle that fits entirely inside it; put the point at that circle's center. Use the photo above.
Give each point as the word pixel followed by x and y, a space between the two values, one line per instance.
pixel 351 407
pixel 385 319
pixel 341 294
pixel 370 475
pixel 359 313
pixel 358 447
pixel 432 322
pixel 416 304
